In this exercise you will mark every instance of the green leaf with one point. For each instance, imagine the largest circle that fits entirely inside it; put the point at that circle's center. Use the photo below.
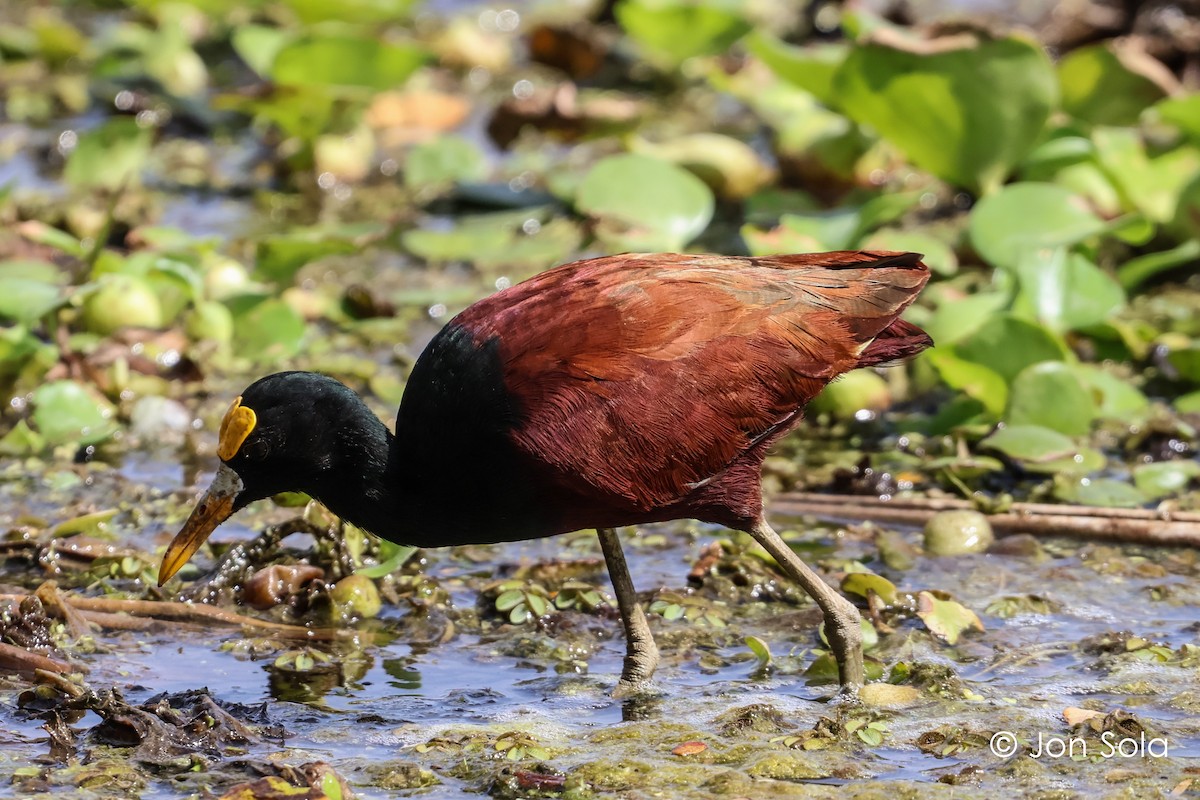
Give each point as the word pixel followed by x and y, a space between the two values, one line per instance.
pixel 1116 398
pixel 1107 84
pixel 109 156
pixel 537 604
pixel 1140 269
pixel 1186 360
pixel 444 161
pixel 65 411
pixel 27 299
pixel 975 380
pixel 811 68
pixel 362 12
pixel 956 318
pixel 344 61
pixel 1065 291
pixel 1050 394
pixel 672 31
pixel 1151 185
pixel 1025 217
pixel 509 600
pixel 1030 443
pixel 266 329
pixel 946 618
pixel 862 583
pixel 1007 345
pixel 645 204
pixel 1165 477
pixel 280 257
pixel 258 45
pixel 762 652
pixel 1105 492
pixel 938 255
pixel 392 557
pixel 1182 112
pixel 967 110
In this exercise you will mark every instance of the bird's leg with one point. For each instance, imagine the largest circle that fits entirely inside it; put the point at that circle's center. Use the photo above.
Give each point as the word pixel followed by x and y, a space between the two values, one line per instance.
pixel 641 654
pixel 841 617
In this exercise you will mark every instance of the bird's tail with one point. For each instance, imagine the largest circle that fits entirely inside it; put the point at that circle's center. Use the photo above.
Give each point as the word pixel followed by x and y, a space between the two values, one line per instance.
pixel 896 343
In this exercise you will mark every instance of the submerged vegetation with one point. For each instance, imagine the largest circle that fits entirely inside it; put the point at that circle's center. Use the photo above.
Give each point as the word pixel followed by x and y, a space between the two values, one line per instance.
pixel 195 193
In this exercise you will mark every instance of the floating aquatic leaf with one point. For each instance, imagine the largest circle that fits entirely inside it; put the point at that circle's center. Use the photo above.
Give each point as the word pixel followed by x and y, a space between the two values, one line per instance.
pixel 644 203
pixel 1109 83
pixel 265 328
pixel 1023 218
pixel 280 256
pixel 1065 291
pixel 1116 398
pixel 977 381
pixel 29 290
pixel 1051 395
pixel 109 156
pixel 1030 443
pixel 863 583
pixel 958 532
pixel 946 618
pixel 672 31
pixel 1007 345
pixel 1153 184
pixel 761 650
pixel 444 161
pixel 1106 492
pixel 966 108
pixel 258 45
pixel 345 61
pixel 956 318
pixel 689 748
pixel 811 68
pixel 1165 477
pixel 729 166
pixel 65 411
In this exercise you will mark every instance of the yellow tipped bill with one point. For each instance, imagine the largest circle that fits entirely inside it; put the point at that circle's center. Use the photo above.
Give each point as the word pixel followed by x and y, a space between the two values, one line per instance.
pixel 214 508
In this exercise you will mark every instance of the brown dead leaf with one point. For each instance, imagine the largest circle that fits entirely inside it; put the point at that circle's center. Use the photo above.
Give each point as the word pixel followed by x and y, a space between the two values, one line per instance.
pixel 689 748
pixel 415 115
pixel 1074 715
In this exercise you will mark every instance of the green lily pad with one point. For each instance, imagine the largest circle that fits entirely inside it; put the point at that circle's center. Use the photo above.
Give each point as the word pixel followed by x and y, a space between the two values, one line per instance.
pixel 346 61
pixel 1030 443
pixel 642 203
pixel 281 256
pixel 65 411
pixel 956 319
pixel 1025 217
pixel 1006 345
pixel 862 583
pixel 1153 184
pixel 672 31
pixel 1116 398
pixel 1065 291
pixel 265 329
pixel 811 68
pixel 975 380
pixel 29 290
pixel 1165 477
pixel 938 255
pixel 1109 85
pixel 444 161
pixel 1105 492
pixel 1051 395
pixel 109 156
pixel 947 619
pixel 967 109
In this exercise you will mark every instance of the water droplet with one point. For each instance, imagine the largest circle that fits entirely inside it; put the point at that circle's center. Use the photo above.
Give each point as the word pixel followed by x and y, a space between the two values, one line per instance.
pixel 522 89
pixel 389 167
pixel 508 20
pixel 124 100
pixel 503 282
pixel 326 180
pixel 437 310
pixel 531 226
pixel 67 141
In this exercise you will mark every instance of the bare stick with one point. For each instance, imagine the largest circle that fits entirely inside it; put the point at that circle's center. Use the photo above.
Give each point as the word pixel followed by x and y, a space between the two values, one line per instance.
pixel 1081 522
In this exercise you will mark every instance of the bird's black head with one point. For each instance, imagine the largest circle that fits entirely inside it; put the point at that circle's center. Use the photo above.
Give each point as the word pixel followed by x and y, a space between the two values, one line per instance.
pixel 287 431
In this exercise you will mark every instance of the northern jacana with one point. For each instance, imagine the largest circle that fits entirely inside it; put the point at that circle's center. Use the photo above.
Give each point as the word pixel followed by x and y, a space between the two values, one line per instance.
pixel 609 392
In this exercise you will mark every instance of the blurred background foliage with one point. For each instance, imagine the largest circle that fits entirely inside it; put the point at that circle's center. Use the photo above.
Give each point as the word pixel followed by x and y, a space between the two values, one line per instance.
pixel 194 193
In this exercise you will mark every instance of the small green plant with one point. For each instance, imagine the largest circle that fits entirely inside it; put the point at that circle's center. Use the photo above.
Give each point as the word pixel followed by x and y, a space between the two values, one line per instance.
pixel 515 746
pixel 522 601
pixel 578 595
pixel 673 606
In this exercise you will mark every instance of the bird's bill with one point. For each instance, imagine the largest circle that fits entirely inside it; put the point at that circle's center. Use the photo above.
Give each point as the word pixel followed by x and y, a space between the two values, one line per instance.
pixel 214 508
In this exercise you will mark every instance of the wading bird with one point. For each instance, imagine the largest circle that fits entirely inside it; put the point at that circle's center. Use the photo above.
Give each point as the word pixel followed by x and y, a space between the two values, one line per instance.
pixel 609 392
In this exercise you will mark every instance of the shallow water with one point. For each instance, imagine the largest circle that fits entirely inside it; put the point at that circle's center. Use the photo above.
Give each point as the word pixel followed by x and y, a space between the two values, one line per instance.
pixel 1019 675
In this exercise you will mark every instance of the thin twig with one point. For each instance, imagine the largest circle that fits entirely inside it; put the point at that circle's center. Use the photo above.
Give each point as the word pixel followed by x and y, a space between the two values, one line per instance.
pixel 949 503
pixel 1083 522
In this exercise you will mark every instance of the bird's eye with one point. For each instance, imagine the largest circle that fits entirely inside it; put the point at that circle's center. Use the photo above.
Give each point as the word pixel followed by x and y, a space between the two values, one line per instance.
pixel 256 449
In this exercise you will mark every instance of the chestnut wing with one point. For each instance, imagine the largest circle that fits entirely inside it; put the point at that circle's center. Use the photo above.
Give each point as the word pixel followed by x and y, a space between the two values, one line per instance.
pixel 641 377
